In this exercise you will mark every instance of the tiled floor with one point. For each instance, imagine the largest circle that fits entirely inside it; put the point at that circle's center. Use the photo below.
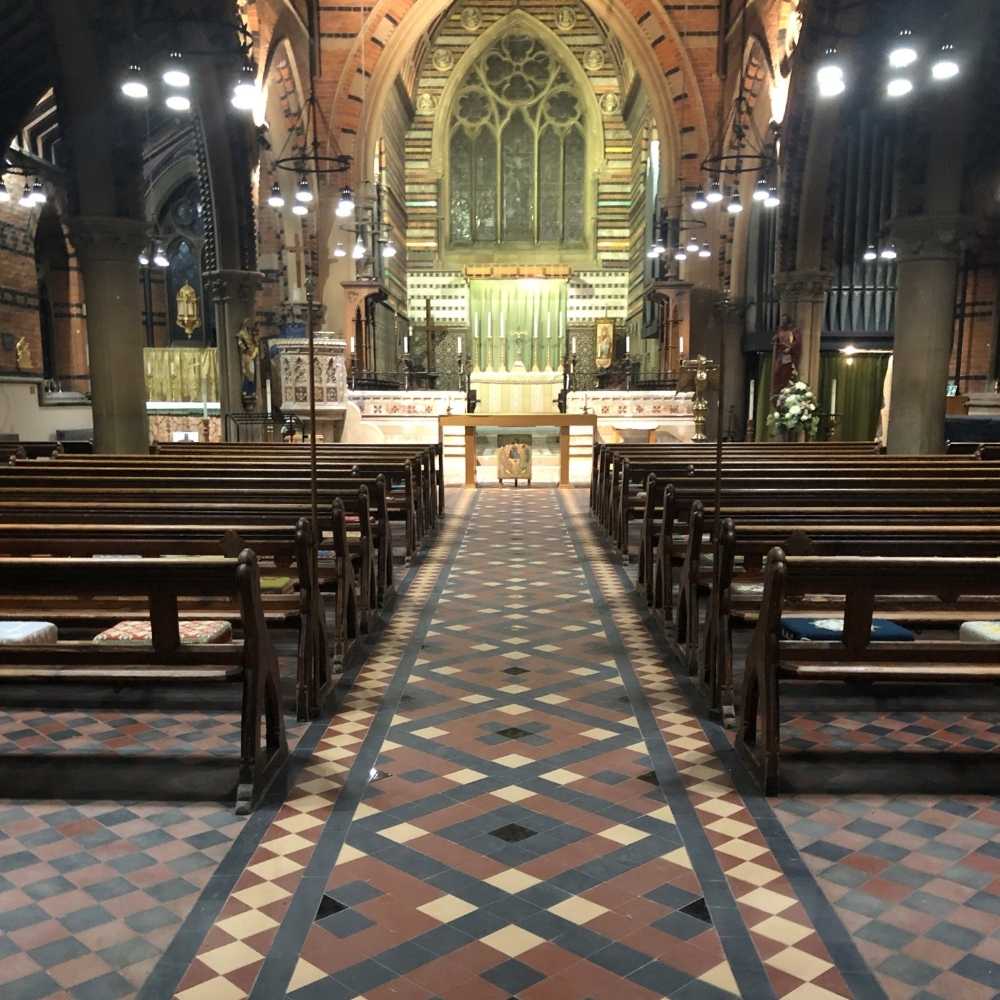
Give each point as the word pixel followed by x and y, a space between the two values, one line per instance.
pixel 515 799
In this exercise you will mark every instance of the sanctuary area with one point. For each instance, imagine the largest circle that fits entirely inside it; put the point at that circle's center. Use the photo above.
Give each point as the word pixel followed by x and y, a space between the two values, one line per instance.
pixel 499 499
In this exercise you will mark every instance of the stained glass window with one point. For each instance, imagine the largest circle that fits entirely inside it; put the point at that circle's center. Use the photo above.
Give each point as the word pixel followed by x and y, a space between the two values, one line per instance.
pixel 517 164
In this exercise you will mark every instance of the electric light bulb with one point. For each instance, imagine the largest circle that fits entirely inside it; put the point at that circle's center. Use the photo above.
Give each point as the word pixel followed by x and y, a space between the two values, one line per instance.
pixel 772 200
pixel 945 66
pixel 143 258
pixel 345 207
pixel 175 75
pixel 870 253
pixel 760 190
pixel 735 206
pixel 160 258
pixel 830 75
pixel 898 86
pixel 714 195
pixel 302 190
pixel 133 85
pixel 889 252
pixel 903 54
pixel 245 89
pixel 276 199
pixel 699 203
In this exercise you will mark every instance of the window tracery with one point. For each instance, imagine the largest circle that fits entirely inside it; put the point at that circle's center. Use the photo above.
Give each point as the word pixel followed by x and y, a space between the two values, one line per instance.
pixel 517 154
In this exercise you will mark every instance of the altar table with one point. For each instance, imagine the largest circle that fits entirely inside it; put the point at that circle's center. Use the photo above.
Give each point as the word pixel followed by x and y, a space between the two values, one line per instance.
pixel 470 421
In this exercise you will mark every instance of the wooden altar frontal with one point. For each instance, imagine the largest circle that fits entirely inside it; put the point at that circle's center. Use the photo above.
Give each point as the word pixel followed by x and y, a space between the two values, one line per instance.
pixel 470 421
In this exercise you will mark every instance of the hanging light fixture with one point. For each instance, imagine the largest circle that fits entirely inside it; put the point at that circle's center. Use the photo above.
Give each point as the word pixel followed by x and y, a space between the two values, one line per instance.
pixel 26 201
pixel 870 253
pixel 276 199
pixel 680 256
pixel 714 195
pixel 772 200
pixel 38 195
pixel 692 245
pixel 389 250
pixel 359 252
pixel 705 251
pixel 945 65
pixel 339 250
pixel 889 252
pixel 160 258
pixel 898 86
pixel 302 190
pixel 144 257
pixel 133 85
pixel 902 53
pixel 345 206
pixel 760 190
pixel 735 206
pixel 299 209
pixel 700 202
pixel 830 75
pixel 178 102
pixel 657 249
pixel 4 193
pixel 245 92
pixel 175 74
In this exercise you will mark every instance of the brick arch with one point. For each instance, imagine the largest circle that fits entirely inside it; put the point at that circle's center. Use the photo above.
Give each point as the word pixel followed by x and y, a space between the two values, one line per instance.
pixel 678 81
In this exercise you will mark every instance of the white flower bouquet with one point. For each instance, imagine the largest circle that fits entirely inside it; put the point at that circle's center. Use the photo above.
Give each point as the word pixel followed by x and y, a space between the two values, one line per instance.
pixel 795 409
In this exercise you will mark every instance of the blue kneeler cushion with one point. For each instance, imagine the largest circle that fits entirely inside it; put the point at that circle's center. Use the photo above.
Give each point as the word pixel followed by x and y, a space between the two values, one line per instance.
pixel 831 629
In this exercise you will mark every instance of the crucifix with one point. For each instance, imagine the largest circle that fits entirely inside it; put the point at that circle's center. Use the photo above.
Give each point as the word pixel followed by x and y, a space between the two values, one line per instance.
pixel 297 250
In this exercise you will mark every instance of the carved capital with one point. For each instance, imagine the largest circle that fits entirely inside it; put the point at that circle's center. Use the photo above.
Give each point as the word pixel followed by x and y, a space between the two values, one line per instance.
pixel 931 237
pixel 802 286
pixel 109 238
pixel 233 285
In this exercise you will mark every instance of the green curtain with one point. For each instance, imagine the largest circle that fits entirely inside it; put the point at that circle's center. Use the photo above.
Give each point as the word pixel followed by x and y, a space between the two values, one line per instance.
pixel 762 396
pixel 859 392
pixel 517 320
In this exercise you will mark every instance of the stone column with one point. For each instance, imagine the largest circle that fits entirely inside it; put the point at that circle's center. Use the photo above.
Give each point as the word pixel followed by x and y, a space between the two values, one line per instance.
pixel 107 248
pixel 803 299
pixel 927 272
pixel 234 293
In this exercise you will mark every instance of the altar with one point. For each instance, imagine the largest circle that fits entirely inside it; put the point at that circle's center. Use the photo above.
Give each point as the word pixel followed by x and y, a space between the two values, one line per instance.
pixel 466 461
pixel 517 391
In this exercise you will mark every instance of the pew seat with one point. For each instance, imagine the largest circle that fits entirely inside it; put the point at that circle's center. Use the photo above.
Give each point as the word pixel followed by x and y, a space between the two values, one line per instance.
pixel 141 632
pixel 18 633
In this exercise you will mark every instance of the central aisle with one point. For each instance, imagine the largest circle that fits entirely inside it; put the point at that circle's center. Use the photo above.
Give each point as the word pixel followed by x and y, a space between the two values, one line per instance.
pixel 514 801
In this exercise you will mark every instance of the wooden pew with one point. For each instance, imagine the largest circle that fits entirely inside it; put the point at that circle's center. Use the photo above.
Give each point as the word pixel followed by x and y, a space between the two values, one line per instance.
pixel 774 660
pixel 162 584
pixel 289 551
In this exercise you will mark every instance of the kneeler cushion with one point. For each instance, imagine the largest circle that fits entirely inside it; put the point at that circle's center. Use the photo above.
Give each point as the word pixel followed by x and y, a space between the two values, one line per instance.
pixel 28 633
pixel 830 629
pixel 141 632
pixel 979 632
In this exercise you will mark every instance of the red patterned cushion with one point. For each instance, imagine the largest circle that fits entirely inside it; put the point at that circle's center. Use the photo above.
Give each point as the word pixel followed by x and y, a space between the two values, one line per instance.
pixel 141 632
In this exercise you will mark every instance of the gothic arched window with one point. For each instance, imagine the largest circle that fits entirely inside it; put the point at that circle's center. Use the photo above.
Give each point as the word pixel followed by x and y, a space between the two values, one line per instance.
pixel 517 153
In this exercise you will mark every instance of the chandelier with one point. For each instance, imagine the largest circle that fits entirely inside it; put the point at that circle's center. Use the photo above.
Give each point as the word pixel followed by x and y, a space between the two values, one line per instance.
pixel 230 40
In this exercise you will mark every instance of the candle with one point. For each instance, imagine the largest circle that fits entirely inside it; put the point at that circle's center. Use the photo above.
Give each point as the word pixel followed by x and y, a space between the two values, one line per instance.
pixel 458 349
pixel 489 326
pixel 406 344
pixel 833 397
pixel 753 391
pixel 628 343
pixel 267 393
pixel 680 346
pixel 353 345
pixel 573 348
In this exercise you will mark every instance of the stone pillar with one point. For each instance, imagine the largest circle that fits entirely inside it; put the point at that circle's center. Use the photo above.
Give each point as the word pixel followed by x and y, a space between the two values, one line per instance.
pixel 107 248
pixel 234 293
pixel 803 299
pixel 927 272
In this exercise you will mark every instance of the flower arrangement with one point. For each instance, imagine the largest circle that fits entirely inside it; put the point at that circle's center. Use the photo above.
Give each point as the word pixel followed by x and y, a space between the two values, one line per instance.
pixel 795 409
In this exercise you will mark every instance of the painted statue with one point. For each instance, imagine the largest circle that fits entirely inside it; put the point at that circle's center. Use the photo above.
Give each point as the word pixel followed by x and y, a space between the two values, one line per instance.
pixel 604 343
pixel 787 345
pixel 249 347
